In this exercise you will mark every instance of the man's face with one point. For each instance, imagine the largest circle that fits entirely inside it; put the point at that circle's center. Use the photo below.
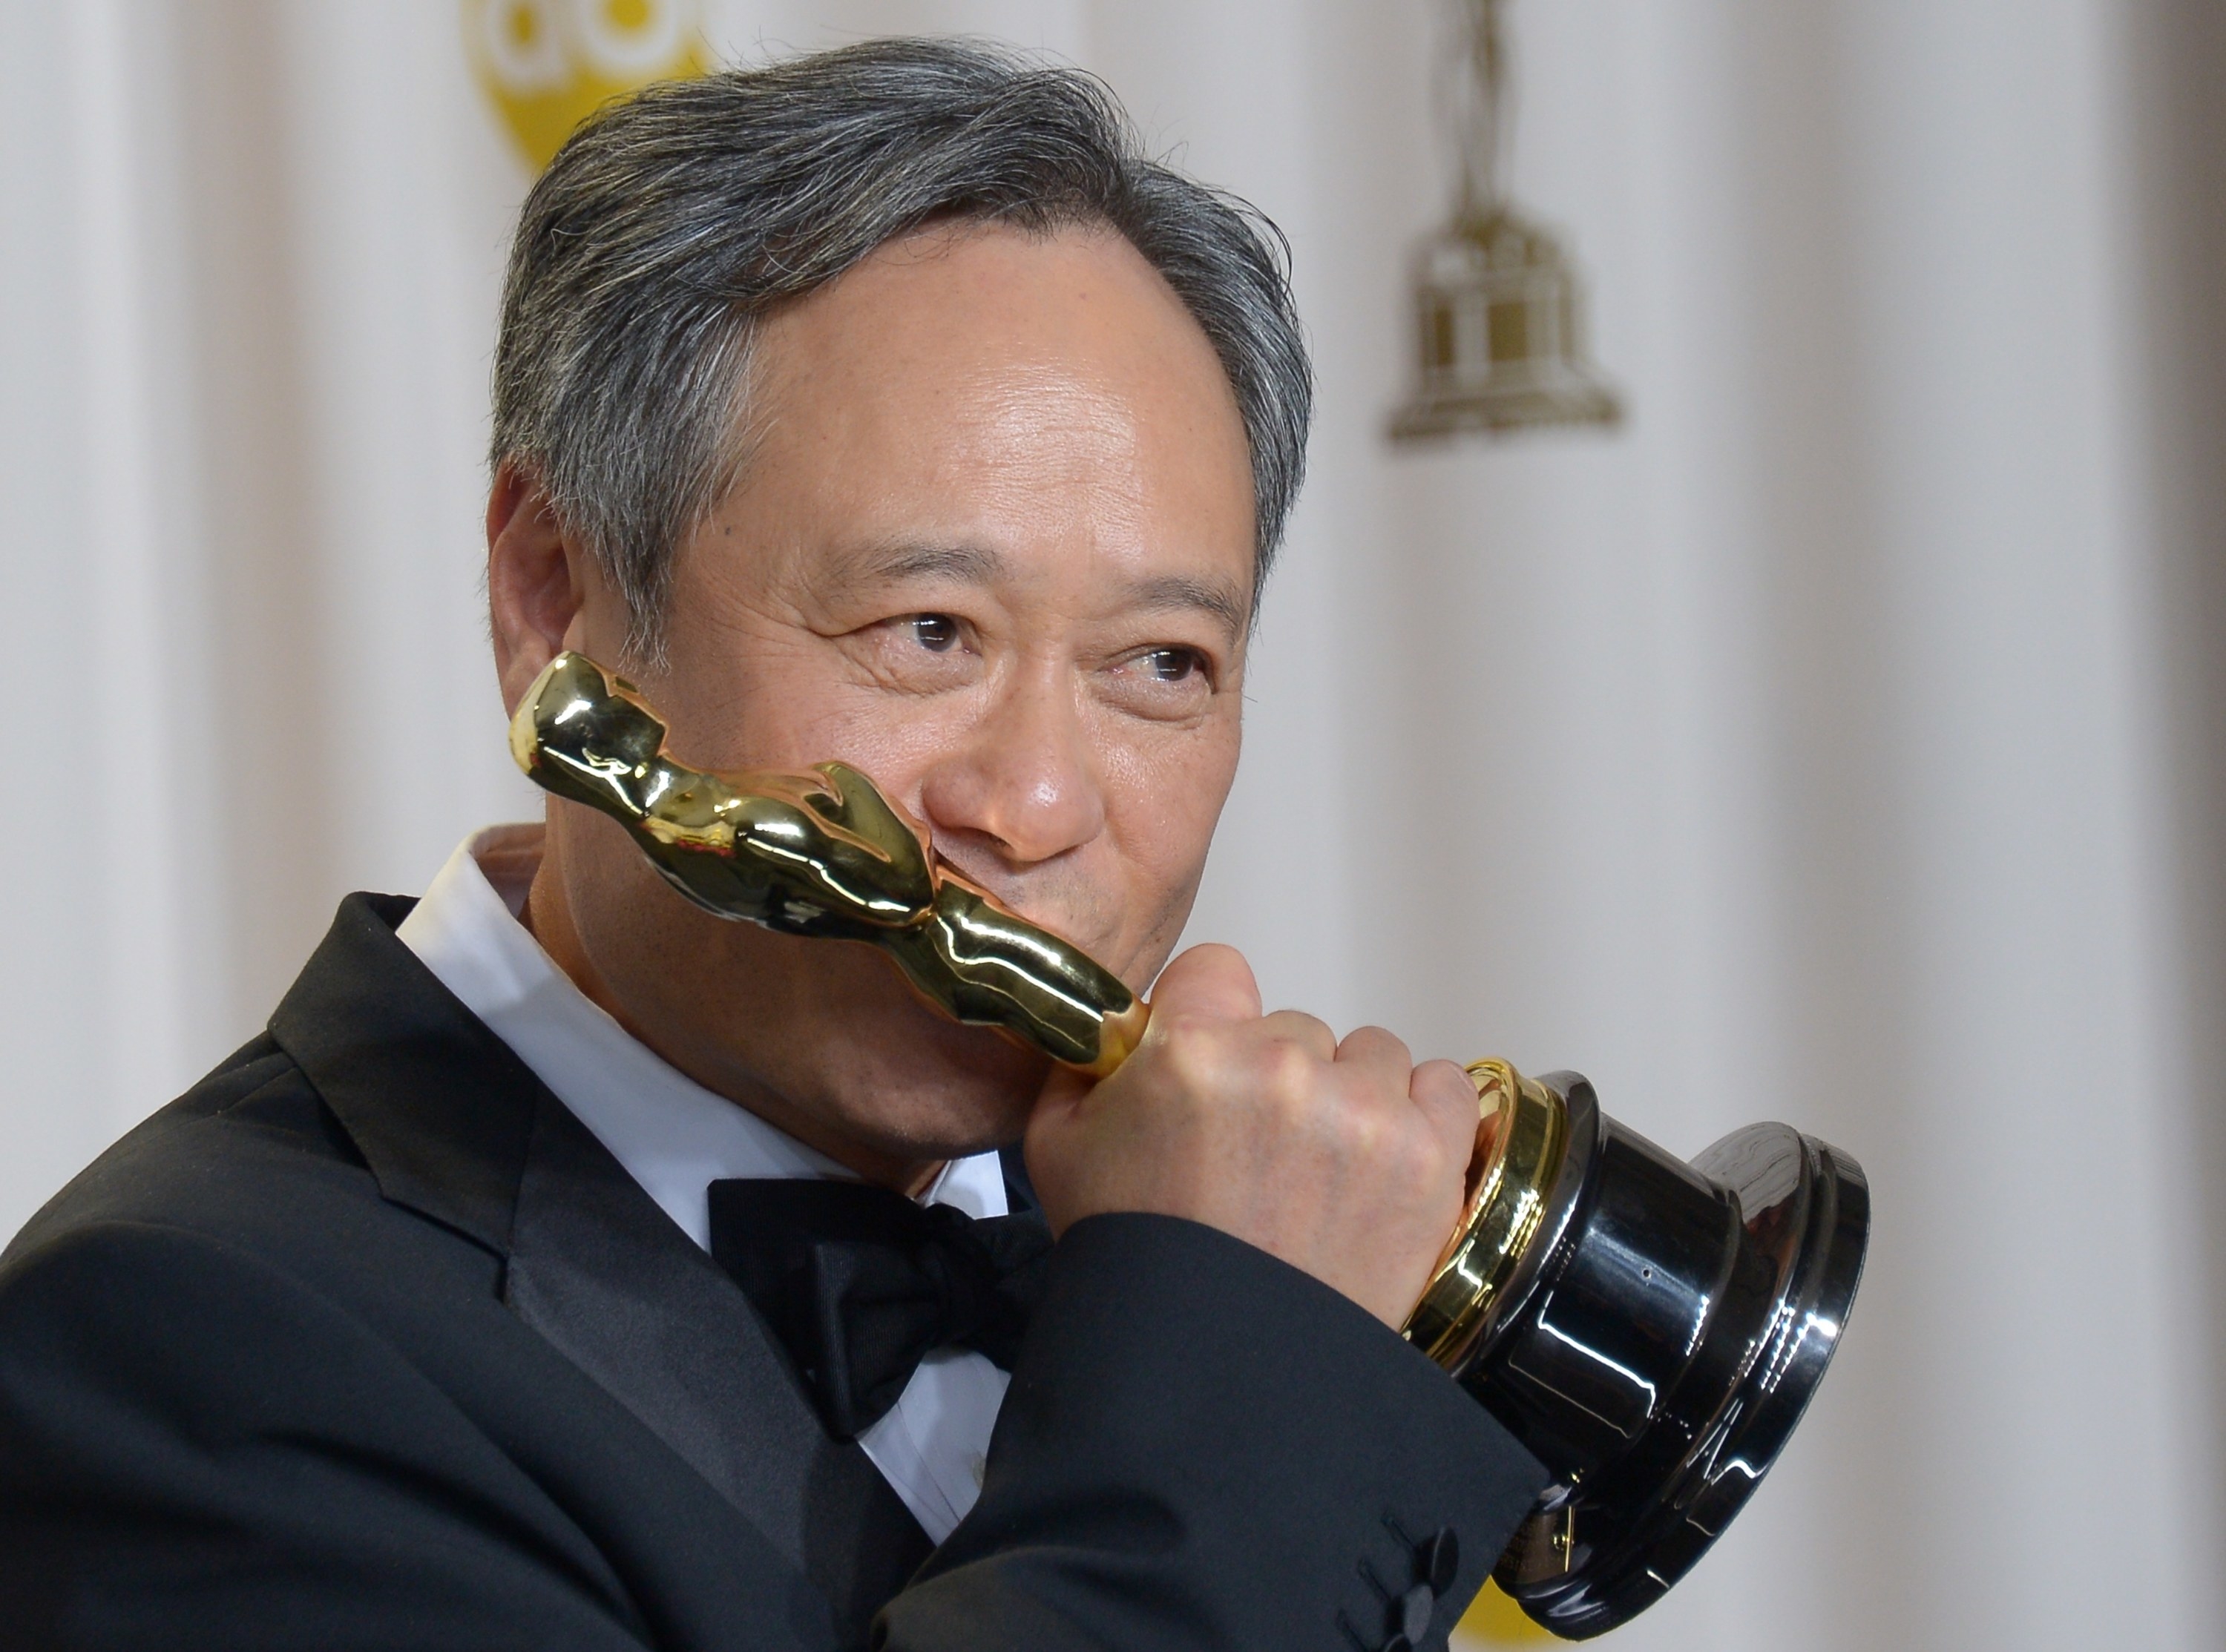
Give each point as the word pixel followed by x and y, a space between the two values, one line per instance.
pixel 994 546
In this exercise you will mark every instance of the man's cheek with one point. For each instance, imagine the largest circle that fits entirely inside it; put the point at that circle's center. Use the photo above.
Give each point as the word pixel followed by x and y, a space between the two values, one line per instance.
pixel 1163 917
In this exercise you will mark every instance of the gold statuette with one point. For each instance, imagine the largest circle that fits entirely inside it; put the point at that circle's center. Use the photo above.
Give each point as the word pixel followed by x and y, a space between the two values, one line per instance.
pixel 1649 1329
pixel 819 854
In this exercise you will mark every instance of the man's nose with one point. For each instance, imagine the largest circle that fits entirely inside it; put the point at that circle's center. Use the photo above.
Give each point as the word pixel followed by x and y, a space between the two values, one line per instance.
pixel 1023 781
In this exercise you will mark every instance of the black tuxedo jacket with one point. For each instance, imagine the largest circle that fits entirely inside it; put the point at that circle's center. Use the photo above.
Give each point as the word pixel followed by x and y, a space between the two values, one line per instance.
pixel 366 1342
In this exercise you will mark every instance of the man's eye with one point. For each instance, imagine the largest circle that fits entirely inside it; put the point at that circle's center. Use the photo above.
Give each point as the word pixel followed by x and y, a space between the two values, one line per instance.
pixel 1171 682
pixel 937 632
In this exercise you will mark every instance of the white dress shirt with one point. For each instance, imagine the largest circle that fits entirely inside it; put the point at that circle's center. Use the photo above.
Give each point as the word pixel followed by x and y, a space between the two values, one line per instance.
pixel 675 1138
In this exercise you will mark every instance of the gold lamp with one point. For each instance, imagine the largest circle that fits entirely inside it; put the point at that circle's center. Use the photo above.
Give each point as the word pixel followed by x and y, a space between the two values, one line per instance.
pixel 1499 312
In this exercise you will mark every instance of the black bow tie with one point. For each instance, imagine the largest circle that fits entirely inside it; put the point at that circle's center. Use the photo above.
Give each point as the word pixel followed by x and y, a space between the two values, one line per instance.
pixel 861 1284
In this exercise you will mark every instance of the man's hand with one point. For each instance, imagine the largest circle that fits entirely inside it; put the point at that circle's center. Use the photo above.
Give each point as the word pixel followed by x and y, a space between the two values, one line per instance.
pixel 1346 1160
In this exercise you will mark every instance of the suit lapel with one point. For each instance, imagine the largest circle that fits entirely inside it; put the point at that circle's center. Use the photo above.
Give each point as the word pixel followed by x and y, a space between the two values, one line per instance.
pixel 455 1126
pixel 600 1271
pixel 437 1105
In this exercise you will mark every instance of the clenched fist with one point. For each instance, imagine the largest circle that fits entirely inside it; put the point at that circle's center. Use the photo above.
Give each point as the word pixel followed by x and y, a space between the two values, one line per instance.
pixel 1345 1159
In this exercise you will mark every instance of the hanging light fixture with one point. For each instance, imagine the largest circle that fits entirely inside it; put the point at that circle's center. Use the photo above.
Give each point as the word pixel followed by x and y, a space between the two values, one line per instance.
pixel 1499 309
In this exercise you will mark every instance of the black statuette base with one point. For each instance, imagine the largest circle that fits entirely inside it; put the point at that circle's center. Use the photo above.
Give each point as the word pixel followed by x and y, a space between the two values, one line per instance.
pixel 1659 1349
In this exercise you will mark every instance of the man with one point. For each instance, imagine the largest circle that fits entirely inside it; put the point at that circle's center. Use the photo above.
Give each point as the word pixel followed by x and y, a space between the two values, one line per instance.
pixel 888 406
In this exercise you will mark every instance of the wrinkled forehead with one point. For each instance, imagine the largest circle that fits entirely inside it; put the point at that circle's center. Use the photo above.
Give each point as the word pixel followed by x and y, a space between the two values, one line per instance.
pixel 971 398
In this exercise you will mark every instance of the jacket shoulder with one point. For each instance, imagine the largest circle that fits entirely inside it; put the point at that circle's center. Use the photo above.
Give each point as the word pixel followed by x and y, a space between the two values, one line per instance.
pixel 208 1161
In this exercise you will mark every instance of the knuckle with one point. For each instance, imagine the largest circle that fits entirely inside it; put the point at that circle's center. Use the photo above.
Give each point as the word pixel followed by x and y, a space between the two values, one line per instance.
pixel 1286 1071
pixel 1365 1137
pixel 1383 1045
pixel 1447 1085
pixel 1357 1119
pixel 1191 1046
pixel 1424 1168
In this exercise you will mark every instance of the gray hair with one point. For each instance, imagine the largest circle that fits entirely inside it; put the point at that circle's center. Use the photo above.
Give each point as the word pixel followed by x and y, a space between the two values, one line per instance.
pixel 670 224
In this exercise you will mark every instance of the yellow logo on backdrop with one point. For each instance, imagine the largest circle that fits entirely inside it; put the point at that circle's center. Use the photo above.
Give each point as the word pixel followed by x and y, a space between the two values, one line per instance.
pixel 1495 1620
pixel 550 64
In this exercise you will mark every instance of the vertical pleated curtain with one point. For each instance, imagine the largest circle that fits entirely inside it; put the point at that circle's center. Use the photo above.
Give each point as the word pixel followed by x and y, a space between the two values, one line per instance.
pixel 1838 740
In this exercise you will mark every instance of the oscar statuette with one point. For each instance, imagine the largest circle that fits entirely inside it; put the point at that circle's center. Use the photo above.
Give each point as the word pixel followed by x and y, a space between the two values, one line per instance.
pixel 1649 1329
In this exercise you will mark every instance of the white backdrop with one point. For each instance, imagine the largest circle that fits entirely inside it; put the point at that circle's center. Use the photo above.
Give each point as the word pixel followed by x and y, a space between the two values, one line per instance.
pixel 1839 741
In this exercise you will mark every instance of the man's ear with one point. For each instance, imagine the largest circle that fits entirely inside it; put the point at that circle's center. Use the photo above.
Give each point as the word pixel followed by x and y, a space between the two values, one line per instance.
pixel 538 580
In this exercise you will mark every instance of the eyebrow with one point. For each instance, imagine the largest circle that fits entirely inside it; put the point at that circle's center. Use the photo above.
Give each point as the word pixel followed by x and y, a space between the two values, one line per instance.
pixel 1172 591
pixel 969 564
pixel 979 565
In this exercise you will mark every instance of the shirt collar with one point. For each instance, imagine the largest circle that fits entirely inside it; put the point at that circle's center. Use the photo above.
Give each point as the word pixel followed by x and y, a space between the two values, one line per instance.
pixel 671 1135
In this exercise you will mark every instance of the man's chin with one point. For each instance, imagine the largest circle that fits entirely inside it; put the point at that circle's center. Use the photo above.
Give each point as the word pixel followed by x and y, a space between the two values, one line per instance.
pixel 918 1086
pixel 829 1041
